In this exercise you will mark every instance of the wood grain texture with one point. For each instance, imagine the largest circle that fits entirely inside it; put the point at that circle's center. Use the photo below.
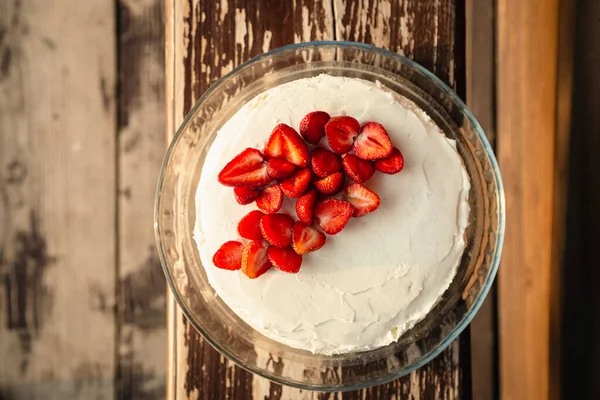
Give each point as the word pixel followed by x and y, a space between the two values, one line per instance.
pixel 526 82
pixel 57 181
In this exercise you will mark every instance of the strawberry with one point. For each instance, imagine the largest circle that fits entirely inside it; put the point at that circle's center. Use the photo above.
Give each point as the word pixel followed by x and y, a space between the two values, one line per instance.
pixel 362 199
pixel 277 229
pixel 285 142
pixel 307 238
pixel 229 256
pixel 270 200
pixel 372 142
pixel 284 259
pixel 358 170
pixel 247 169
pixel 278 168
pixel 312 126
pixel 305 206
pixel 392 164
pixel 332 215
pixel 330 185
pixel 324 162
pixel 296 185
pixel 341 132
pixel 255 260
pixel 249 225
pixel 244 195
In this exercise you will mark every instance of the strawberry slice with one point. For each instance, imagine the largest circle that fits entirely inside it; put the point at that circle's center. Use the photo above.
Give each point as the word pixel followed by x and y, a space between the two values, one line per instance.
pixel 332 215
pixel 312 126
pixel 358 170
pixel 249 225
pixel 255 260
pixel 373 142
pixel 285 259
pixel 392 164
pixel 270 200
pixel 341 132
pixel 362 199
pixel 305 206
pixel 296 185
pixel 324 162
pixel 307 238
pixel 229 256
pixel 245 195
pixel 277 229
pixel 285 142
pixel 278 168
pixel 247 169
pixel 330 185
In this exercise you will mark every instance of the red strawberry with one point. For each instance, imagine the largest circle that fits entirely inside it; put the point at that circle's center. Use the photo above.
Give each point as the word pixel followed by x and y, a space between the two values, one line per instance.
pixel 286 143
pixel 278 168
pixel 255 261
pixel 392 164
pixel 341 132
pixel 305 206
pixel 277 229
pixel 362 199
pixel 249 225
pixel 245 195
pixel 312 126
pixel 247 169
pixel 296 185
pixel 285 259
pixel 358 170
pixel 324 162
pixel 373 142
pixel 330 185
pixel 229 256
pixel 332 215
pixel 307 238
pixel 270 200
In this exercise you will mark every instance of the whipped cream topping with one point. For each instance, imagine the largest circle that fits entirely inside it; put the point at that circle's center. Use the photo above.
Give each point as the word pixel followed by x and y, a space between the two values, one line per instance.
pixel 381 274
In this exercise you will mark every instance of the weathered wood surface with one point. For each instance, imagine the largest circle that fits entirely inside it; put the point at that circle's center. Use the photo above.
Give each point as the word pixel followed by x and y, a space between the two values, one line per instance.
pixel 204 40
pixel 57 183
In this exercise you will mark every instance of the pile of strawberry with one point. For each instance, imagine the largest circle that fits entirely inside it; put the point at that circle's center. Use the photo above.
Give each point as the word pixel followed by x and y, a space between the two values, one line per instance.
pixel 287 167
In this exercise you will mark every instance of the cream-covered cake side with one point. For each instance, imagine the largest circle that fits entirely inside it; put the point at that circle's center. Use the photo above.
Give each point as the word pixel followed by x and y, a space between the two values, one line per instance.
pixel 380 275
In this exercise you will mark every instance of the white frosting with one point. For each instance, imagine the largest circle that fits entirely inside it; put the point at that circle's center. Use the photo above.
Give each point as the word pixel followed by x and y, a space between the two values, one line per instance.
pixel 384 271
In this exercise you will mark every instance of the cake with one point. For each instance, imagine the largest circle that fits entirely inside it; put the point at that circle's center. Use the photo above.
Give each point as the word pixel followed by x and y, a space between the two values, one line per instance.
pixel 385 270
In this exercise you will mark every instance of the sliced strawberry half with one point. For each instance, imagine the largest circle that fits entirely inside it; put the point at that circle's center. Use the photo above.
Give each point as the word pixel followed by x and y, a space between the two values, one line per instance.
pixel 332 215
pixel 312 126
pixel 285 259
pixel 285 142
pixel 247 169
pixel 373 142
pixel 307 238
pixel 324 162
pixel 296 185
pixel 229 256
pixel 358 170
pixel 270 200
pixel 392 164
pixel 255 260
pixel 330 185
pixel 305 206
pixel 341 132
pixel 362 199
pixel 277 229
pixel 249 225
pixel 279 168
pixel 244 195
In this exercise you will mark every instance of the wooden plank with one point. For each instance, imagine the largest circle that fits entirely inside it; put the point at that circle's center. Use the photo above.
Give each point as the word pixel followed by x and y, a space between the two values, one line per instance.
pixel 527 71
pixel 57 173
pixel 141 337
